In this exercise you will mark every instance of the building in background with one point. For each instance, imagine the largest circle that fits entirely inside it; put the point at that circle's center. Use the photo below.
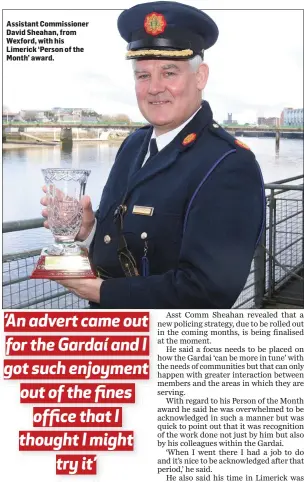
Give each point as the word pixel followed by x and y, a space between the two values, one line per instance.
pixel 269 121
pixel 10 116
pixel 292 117
pixel 230 121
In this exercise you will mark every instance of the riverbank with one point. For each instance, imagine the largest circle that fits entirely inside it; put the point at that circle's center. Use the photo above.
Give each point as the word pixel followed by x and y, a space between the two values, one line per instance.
pixel 19 145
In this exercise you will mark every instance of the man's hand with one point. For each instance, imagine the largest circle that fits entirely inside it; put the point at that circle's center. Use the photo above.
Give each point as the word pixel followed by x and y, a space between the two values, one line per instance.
pixel 89 289
pixel 88 217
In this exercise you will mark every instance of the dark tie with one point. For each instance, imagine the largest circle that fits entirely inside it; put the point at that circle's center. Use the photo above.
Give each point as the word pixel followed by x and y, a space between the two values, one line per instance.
pixel 153 148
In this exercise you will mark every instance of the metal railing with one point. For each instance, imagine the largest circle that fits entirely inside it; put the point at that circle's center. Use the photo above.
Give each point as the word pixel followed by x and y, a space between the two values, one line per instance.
pixel 285 243
pixel 276 274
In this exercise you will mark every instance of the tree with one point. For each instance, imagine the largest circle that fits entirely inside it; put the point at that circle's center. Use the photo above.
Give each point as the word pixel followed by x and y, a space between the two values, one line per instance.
pixel 117 118
pixel 49 114
pixel 123 118
pixel 89 113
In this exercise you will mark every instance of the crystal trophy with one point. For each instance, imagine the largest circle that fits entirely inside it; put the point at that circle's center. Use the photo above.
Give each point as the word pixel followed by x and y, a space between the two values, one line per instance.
pixel 64 258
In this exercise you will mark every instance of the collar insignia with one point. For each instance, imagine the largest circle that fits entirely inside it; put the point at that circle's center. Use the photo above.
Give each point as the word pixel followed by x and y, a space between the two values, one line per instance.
pixel 155 23
pixel 241 144
pixel 189 138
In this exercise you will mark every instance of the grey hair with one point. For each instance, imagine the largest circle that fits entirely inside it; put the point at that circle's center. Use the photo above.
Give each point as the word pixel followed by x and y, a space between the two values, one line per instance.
pixel 194 63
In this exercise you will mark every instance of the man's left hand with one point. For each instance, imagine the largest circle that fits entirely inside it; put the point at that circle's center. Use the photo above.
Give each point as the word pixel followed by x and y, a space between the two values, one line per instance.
pixel 89 289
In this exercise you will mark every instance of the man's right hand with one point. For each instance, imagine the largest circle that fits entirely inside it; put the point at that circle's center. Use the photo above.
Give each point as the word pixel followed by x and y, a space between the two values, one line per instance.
pixel 88 217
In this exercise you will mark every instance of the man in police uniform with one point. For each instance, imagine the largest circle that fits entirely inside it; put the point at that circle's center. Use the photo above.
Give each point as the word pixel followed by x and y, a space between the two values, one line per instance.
pixel 183 208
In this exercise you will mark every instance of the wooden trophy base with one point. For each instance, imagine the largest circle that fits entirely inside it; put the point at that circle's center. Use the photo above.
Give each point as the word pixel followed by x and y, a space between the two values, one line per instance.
pixel 63 267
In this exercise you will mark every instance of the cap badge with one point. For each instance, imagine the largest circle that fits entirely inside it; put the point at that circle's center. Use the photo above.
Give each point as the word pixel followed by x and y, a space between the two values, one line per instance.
pixel 155 23
pixel 189 138
pixel 241 144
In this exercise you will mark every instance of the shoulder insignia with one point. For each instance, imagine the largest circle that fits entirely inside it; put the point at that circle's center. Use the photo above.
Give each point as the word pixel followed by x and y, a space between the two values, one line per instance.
pixel 241 144
pixel 189 138
pixel 219 131
pixel 155 23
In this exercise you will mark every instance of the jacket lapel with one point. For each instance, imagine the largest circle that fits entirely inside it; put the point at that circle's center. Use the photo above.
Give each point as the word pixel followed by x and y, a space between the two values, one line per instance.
pixel 139 158
pixel 116 186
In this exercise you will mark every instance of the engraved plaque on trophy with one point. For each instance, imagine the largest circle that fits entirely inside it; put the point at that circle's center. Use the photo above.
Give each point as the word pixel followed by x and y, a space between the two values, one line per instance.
pixel 64 258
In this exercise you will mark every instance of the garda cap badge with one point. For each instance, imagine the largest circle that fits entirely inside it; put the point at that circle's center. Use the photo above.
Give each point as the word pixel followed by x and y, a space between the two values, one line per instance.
pixel 241 144
pixel 155 23
pixel 189 138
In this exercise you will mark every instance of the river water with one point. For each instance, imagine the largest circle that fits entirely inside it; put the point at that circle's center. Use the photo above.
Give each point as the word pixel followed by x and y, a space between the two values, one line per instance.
pixel 22 177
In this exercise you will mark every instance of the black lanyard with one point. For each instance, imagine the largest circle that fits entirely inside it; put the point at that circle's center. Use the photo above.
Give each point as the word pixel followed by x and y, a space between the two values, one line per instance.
pixel 126 258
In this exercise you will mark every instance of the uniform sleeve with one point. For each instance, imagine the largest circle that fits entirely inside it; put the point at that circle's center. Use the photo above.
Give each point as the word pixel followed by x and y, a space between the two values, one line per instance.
pixel 222 224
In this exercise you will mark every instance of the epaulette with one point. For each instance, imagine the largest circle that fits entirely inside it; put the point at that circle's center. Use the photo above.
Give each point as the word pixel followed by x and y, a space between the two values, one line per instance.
pixel 216 129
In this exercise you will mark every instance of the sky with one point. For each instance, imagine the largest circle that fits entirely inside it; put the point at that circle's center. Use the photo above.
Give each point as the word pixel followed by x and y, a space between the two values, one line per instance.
pixel 256 66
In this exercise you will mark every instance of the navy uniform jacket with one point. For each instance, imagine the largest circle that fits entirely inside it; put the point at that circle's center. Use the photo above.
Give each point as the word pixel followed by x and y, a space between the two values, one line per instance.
pixel 208 200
